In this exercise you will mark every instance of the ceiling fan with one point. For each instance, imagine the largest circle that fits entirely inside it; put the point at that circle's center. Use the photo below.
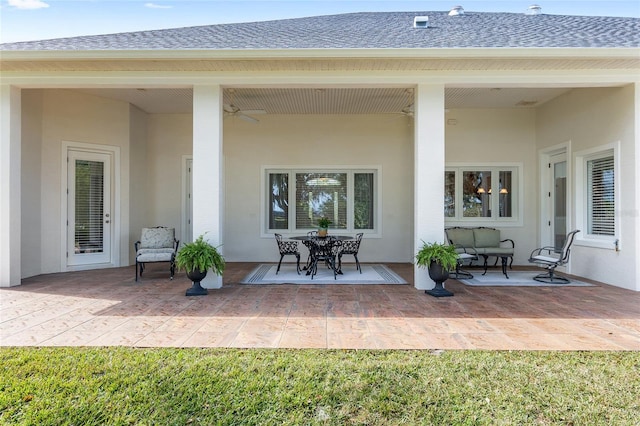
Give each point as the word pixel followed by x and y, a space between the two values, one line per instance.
pixel 231 110
pixel 409 109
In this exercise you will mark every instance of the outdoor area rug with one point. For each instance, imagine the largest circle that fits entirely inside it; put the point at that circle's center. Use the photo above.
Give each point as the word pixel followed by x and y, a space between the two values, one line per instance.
pixel 516 278
pixel 371 274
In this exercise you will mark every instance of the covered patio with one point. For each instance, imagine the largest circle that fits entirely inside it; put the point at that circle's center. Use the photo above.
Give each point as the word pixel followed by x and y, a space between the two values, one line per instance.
pixel 108 308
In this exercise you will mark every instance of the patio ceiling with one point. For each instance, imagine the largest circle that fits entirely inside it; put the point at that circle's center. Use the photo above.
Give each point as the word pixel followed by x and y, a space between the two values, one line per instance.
pixel 330 100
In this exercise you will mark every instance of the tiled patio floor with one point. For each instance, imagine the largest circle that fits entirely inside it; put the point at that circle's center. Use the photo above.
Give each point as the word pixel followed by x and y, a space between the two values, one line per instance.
pixel 106 307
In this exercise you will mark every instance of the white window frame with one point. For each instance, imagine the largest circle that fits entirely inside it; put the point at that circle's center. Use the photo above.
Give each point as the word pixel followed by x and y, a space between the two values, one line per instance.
pixel 584 238
pixel 376 232
pixel 495 220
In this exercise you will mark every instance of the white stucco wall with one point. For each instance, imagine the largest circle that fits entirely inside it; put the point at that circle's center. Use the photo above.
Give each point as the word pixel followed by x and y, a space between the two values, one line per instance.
pixel 76 117
pixel 499 136
pixel 313 141
pixel 170 137
pixel 590 118
pixel 139 182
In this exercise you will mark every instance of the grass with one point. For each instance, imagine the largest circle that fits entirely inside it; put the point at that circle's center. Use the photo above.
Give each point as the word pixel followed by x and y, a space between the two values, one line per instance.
pixel 124 386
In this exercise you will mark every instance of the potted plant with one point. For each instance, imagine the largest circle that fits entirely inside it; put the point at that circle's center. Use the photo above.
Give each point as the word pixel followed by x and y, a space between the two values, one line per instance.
pixel 439 259
pixel 196 259
pixel 323 225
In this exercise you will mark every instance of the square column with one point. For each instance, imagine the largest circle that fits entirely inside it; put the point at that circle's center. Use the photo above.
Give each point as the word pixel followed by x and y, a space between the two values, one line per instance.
pixel 10 170
pixel 429 161
pixel 637 182
pixel 208 170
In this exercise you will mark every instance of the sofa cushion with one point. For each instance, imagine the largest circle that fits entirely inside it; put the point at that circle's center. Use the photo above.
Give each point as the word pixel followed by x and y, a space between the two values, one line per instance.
pixel 486 237
pixel 496 251
pixel 157 237
pixel 460 237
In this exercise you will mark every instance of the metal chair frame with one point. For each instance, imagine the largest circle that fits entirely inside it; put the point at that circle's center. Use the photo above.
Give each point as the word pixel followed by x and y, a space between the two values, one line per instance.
pixel 287 247
pixel 172 262
pixel 552 262
pixel 323 250
pixel 350 247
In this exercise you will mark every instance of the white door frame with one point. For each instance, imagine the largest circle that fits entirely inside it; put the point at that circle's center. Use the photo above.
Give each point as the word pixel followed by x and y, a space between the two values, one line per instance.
pixel 546 188
pixel 114 153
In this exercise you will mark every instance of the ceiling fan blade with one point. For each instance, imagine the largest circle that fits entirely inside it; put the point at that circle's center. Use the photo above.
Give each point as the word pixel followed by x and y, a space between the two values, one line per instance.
pixel 253 111
pixel 230 108
pixel 247 118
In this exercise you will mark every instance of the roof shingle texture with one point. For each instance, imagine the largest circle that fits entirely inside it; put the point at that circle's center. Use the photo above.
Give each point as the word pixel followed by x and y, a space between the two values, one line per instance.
pixel 371 30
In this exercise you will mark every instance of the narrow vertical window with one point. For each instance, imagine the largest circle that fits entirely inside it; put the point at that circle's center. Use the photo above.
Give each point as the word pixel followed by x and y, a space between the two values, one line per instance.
pixel 363 201
pixel 505 191
pixel 601 196
pixel 449 194
pixel 278 201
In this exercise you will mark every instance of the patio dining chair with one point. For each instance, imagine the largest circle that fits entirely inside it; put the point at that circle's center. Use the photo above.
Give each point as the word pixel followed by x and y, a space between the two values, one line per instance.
pixel 156 245
pixel 551 258
pixel 350 247
pixel 287 248
pixel 325 251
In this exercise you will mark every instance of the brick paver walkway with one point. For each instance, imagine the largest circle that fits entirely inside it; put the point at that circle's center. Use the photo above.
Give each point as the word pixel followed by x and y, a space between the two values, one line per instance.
pixel 106 307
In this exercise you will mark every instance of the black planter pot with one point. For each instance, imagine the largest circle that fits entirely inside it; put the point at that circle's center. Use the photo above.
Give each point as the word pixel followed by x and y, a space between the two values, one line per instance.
pixel 196 289
pixel 438 274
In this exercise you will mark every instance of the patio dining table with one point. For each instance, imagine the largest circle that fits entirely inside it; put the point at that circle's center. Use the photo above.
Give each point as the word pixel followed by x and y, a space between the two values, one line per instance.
pixel 312 242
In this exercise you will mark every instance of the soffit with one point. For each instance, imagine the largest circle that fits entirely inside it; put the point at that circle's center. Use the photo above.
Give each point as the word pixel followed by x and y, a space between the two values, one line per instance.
pixel 324 101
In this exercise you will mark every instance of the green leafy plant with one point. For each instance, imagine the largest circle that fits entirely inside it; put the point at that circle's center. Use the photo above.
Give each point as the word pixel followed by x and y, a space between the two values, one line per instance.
pixel 324 222
pixel 200 255
pixel 443 254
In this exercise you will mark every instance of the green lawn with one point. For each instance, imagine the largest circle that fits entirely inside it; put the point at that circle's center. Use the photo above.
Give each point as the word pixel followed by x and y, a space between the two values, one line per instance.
pixel 98 386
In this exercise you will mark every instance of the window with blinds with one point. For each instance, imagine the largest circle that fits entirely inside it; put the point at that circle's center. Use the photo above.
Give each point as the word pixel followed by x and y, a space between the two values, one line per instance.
pixel 89 194
pixel 601 195
pixel 321 195
pixel 298 198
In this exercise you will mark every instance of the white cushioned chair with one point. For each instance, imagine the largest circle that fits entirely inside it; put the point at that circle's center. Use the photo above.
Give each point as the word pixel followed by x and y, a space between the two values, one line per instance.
pixel 156 245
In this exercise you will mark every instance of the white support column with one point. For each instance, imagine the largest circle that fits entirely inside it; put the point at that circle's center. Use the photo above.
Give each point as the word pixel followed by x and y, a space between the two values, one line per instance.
pixel 208 171
pixel 637 183
pixel 10 170
pixel 429 172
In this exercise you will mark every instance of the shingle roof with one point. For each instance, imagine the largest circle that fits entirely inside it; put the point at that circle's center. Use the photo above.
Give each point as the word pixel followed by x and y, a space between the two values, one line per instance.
pixel 373 30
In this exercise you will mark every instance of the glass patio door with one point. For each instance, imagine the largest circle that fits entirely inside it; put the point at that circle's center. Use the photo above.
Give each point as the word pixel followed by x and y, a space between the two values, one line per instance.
pixel 89 218
pixel 558 199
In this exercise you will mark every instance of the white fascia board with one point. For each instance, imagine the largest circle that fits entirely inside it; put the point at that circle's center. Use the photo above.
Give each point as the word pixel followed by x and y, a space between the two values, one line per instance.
pixel 454 53
pixel 178 79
